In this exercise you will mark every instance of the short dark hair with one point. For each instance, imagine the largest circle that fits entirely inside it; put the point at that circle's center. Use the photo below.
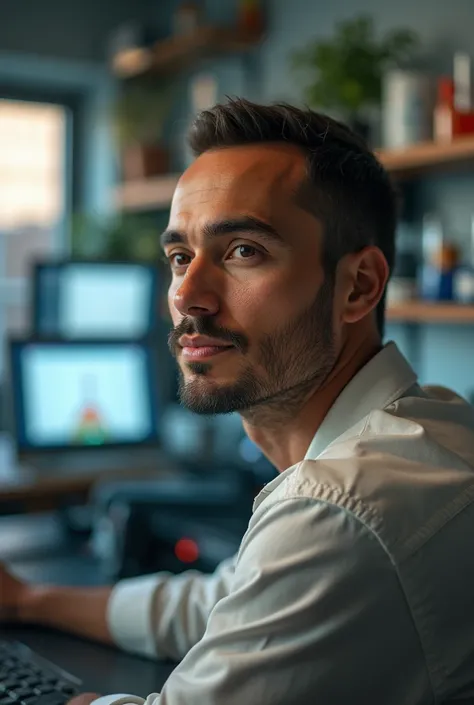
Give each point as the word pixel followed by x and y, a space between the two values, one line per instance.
pixel 347 188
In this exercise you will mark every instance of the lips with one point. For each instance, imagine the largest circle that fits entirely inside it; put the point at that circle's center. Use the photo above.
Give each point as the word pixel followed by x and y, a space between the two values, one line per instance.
pixel 199 347
pixel 204 351
pixel 200 341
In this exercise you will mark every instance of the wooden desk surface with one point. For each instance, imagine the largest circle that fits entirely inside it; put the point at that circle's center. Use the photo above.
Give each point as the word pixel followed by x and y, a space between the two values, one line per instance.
pixel 25 486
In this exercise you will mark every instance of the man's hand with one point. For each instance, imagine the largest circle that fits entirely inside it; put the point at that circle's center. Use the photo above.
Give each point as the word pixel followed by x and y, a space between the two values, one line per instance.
pixel 84 699
pixel 12 592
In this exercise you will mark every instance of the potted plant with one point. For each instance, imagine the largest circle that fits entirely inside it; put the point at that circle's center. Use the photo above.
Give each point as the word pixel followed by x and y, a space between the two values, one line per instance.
pixel 141 110
pixel 346 71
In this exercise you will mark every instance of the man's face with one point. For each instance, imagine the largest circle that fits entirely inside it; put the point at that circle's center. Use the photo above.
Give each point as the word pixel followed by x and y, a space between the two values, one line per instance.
pixel 251 309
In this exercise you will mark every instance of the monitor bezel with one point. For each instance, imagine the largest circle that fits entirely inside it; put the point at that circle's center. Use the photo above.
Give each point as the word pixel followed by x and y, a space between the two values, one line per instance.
pixel 39 266
pixel 23 447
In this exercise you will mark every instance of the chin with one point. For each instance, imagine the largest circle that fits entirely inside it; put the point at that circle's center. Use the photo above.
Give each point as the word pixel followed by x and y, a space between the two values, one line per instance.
pixel 208 384
pixel 215 372
pixel 213 395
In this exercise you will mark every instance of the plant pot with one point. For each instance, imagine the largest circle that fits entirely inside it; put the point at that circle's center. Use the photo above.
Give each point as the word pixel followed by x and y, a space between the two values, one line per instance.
pixel 142 161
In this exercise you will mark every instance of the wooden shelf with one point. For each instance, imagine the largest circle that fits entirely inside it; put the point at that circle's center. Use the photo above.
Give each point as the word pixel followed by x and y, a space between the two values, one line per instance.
pixel 428 156
pixel 177 53
pixel 147 195
pixel 424 312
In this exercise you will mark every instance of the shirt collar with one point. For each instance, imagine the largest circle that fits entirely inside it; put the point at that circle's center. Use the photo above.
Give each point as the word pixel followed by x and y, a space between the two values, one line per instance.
pixel 385 378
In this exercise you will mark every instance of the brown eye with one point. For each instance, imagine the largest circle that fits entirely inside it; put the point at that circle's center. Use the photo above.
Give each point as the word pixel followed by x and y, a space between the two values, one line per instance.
pixel 242 252
pixel 179 259
pixel 246 251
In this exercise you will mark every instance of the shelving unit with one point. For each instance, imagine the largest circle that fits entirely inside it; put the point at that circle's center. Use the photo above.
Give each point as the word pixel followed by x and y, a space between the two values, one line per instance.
pixel 168 57
pixel 428 157
pixel 421 158
pixel 178 53
pixel 424 312
pixel 418 160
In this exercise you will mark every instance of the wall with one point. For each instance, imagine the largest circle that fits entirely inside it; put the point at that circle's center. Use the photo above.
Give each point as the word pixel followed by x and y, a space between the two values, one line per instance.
pixel 67 29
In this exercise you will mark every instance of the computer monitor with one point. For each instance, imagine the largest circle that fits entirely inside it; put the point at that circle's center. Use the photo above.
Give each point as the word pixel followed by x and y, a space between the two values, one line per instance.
pixel 83 394
pixel 94 299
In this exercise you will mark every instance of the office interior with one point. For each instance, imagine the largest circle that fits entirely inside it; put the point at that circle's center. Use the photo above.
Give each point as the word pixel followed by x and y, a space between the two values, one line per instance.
pixel 103 474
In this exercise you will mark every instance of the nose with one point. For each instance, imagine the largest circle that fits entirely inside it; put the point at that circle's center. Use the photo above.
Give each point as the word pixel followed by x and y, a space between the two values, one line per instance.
pixel 196 295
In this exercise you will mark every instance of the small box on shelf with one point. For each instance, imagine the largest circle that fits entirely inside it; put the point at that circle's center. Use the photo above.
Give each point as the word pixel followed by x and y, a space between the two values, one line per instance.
pixel 147 194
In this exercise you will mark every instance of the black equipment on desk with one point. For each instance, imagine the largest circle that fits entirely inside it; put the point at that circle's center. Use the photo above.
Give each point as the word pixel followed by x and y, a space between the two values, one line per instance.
pixel 28 679
pixel 152 526
pixel 196 521
pixel 76 299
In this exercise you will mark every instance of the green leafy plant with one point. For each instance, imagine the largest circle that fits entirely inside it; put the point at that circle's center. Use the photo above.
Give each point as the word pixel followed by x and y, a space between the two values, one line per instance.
pixel 346 71
pixel 141 110
pixel 122 237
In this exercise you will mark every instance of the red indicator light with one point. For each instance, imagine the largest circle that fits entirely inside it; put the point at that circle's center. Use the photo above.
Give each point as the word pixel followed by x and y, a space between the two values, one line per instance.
pixel 186 550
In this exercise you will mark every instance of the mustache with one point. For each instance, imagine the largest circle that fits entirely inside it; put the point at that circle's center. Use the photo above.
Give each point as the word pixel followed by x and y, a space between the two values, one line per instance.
pixel 204 325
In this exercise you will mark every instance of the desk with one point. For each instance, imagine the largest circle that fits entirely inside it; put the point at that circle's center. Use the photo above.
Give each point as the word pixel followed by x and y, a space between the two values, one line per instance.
pixel 102 669
pixel 34 485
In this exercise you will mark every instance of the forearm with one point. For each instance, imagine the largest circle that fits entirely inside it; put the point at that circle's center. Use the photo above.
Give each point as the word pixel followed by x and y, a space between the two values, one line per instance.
pixel 80 611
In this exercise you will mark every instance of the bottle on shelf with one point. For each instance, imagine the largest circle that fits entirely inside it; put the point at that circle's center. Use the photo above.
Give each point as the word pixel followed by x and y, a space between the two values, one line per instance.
pixel 407 108
pixel 463 112
pixel 464 276
pixel 453 114
pixel 462 82
pixel 443 124
pixel 439 260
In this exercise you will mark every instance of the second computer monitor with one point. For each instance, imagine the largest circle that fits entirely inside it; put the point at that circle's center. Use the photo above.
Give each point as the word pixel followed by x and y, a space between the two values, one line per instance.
pixel 94 299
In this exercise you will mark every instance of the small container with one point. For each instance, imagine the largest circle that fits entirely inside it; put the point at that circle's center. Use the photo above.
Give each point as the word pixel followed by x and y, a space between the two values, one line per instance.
pixel 453 114
pixel 440 258
pixel 444 115
pixel 464 276
pixel 462 82
pixel 407 108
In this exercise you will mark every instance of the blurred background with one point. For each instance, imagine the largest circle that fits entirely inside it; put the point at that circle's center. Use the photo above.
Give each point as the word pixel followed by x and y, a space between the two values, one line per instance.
pixel 97 459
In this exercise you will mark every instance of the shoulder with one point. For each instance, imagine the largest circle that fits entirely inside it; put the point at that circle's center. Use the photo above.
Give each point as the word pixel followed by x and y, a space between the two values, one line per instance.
pixel 394 473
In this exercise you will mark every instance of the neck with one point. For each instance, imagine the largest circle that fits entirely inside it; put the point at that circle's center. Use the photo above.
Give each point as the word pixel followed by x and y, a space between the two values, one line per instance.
pixel 283 437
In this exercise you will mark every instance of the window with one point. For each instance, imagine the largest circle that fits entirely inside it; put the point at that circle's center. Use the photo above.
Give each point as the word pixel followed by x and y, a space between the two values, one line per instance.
pixel 33 199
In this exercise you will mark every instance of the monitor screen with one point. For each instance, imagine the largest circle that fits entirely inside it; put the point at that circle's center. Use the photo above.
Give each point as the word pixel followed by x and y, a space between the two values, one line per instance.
pixel 83 394
pixel 94 299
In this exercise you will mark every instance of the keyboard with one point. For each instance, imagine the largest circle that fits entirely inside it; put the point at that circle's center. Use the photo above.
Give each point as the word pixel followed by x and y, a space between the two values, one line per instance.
pixel 28 679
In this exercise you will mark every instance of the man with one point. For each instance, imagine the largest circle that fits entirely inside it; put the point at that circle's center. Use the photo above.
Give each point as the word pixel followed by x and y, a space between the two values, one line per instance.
pixel 355 580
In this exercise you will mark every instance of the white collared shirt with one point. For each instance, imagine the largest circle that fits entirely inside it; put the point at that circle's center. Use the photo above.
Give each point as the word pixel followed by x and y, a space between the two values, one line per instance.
pixel 354 582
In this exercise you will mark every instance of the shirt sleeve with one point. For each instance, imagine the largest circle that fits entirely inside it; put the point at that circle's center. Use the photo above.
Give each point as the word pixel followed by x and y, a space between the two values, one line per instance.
pixel 164 615
pixel 316 614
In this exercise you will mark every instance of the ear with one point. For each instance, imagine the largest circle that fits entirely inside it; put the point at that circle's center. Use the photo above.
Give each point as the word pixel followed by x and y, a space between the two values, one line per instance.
pixel 364 277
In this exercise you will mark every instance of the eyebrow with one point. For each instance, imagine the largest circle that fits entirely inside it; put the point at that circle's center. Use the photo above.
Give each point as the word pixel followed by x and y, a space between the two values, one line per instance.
pixel 228 226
